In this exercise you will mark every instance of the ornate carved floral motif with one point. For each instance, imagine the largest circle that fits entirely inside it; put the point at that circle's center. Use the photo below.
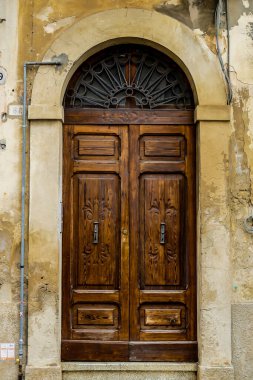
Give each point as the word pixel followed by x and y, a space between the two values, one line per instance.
pixel 171 246
pixel 97 254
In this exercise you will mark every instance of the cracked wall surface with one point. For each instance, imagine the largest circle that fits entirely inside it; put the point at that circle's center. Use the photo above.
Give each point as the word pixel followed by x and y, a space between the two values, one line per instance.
pixel 29 30
pixel 241 176
pixel 10 175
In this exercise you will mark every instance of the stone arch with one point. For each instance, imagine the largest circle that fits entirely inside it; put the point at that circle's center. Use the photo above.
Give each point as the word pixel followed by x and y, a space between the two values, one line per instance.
pixel 166 34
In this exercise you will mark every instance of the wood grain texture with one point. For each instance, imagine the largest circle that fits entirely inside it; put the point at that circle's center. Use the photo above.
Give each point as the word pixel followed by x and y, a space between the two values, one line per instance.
pixel 96 315
pixel 162 204
pixel 150 296
pixel 129 297
pixel 163 351
pixel 76 350
pixel 97 200
pixel 164 147
pixel 129 230
pixel 94 295
pixel 163 317
pixel 125 233
pixel 134 222
pixel 163 266
pixel 95 146
pixel 95 303
pixel 128 116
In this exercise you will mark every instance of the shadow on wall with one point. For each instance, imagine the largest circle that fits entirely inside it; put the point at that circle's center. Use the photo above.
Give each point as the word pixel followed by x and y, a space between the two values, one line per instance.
pixel 197 14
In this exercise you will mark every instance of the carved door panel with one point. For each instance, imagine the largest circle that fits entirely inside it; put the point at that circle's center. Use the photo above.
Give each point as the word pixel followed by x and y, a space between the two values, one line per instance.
pixel 162 250
pixel 161 223
pixel 96 275
pixel 129 243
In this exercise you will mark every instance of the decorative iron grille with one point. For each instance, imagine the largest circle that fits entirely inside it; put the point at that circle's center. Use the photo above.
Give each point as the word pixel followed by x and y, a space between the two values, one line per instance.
pixel 128 76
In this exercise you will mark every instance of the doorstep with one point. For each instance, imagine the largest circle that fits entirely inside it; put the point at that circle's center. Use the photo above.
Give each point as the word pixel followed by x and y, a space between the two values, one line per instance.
pixel 128 371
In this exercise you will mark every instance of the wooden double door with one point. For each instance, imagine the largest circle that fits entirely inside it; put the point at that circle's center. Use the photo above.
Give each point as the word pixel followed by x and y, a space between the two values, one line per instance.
pixel 129 271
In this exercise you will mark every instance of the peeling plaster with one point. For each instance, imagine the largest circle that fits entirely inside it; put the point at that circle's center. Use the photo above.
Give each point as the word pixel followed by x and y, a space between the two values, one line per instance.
pixel 53 26
pixel 237 9
pixel 241 197
pixel 43 15
pixel 241 181
pixel 245 3
pixel 63 58
pixel 249 29
pixel 42 23
pixel 10 188
pixel 197 14
pixel 242 35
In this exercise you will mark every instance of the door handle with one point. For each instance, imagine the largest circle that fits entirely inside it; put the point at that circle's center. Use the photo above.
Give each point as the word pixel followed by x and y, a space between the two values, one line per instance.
pixel 95 232
pixel 162 233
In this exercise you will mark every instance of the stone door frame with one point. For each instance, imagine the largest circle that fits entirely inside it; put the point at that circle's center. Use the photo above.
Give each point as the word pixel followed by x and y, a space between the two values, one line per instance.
pixel 212 117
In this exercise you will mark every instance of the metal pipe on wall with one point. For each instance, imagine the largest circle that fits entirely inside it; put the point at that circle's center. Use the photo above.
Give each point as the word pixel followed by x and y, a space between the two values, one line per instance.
pixel 23 215
pixel 218 12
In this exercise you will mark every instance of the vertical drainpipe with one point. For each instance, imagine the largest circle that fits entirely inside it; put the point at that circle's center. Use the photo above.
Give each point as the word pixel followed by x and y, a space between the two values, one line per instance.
pixel 218 13
pixel 23 215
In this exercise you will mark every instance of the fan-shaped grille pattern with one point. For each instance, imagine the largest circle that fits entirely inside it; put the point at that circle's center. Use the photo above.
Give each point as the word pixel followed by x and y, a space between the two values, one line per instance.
pixel 129 77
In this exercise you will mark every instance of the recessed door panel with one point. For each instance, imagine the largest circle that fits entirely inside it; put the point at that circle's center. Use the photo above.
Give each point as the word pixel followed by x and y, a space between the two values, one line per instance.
pixel 162 251
pixel 95 267
pixel 89 147
pixel 97 199
pixel 162 196
pixel 162 148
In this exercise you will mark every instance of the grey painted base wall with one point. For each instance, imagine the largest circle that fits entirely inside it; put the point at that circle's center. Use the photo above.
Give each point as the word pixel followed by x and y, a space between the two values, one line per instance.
pixel 242 335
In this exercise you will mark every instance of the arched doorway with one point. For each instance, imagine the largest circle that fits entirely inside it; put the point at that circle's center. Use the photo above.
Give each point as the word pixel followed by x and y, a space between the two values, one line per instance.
pixel 129 236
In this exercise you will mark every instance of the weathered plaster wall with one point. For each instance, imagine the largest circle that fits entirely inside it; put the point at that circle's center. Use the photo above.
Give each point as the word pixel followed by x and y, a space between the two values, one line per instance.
pixel 135 23
pixel 39 23
pixel 241 176
pixel 49 18
pixel 43 21
pixel 10 174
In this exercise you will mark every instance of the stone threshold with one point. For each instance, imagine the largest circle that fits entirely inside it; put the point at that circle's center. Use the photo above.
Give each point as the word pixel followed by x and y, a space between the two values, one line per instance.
pixel 127 366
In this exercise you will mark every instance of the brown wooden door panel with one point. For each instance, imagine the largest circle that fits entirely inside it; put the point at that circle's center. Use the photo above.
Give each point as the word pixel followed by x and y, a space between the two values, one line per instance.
pixel 162 147
pixel 89 147
pixel 78 295
pixel 95 298
pixel 124 116
pixel 97 200
pixel 129 351
pixel 162 264
pixel 163 351
pixel 76 350
pixel 162 200
pixel 129 290
pixel 149 296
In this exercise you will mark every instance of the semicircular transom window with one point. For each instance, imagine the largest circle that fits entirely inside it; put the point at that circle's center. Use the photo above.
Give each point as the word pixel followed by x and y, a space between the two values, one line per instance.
pixel 129 76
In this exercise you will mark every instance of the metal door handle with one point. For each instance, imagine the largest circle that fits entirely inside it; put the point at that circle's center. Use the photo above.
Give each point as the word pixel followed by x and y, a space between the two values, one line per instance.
pixel 95 232
pixel 162 233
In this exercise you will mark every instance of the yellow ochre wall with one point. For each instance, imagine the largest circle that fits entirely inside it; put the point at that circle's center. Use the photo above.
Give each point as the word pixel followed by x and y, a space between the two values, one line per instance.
pixel 30 29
